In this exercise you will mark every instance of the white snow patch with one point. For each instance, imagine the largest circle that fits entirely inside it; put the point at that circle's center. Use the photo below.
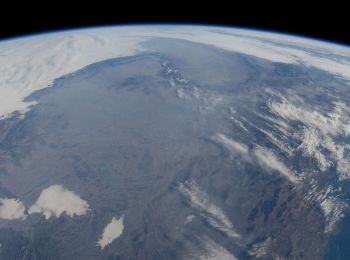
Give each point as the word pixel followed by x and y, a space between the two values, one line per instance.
pixel 56 200
pixel 12 209
pixel 111 232
pixel 212 213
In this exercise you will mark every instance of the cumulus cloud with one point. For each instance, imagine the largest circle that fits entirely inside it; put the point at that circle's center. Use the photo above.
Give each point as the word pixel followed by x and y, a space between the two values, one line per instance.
pixel 330 203
pixel 333 210
pixel 56 200
pixel 111 232
pixel 333 123
pixel 12 209
pixel 322 133
pixel 343 168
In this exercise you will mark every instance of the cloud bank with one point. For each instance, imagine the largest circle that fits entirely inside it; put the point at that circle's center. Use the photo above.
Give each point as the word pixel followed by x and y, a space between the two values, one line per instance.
pixel 33 63
pixel 323 135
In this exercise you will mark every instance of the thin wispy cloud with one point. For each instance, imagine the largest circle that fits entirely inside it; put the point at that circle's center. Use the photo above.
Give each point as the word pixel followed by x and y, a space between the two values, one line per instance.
pixel 265 158
pixel 234 147
pixel 269 161
pixel 214 251
pixel 208 210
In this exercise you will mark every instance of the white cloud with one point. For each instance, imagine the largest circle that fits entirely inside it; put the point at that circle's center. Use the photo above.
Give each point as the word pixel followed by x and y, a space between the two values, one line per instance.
pixel 343 168
pixel 265 158
pixel 234 147
pixel 189 219
pixel 56 200
pixel 12 209
pixel 214 251
pixel 272 47
pixel 268 160
pixel 212 213
pixel 276 141
pixel 111 232
pixel 311 144
pixel 180 93
pixel 33 63
pixel 332 123
pixel 273 139
pixel 260 249
pixel 238 123
pixel 279 124
pixel 291 49
pixel 333 211
pixel 327 198
pixel 322 133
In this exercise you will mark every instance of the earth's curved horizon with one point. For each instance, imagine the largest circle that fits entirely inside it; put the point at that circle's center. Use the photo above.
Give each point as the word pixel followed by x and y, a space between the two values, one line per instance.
pixel 261 30
pixel 174 142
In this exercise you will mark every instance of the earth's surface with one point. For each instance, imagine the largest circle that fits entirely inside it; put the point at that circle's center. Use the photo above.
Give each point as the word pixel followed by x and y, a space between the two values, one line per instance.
pixel 174 142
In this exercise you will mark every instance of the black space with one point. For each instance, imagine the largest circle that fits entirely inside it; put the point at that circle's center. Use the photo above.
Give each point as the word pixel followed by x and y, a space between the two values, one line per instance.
pixel 328 22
